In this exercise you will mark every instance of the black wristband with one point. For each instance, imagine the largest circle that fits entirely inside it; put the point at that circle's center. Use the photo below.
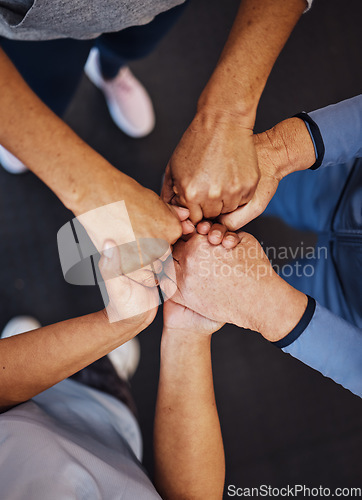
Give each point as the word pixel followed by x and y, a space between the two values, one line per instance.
pixel 317 137
pixel 300 327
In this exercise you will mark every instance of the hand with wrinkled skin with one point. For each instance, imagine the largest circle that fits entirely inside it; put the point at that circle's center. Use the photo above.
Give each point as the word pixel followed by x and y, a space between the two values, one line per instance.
pixel 236 286
pixel 214 168
pixel 181 320
pixel 284 149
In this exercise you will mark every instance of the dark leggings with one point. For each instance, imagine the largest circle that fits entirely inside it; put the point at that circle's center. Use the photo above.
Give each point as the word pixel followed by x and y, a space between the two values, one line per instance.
pixel 53 68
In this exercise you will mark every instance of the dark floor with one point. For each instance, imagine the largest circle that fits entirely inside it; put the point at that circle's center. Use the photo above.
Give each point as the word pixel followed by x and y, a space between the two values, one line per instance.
pixel 282 422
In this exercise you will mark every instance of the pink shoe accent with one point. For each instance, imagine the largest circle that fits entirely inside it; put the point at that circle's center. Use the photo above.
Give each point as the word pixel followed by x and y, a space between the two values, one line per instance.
pixel 128 102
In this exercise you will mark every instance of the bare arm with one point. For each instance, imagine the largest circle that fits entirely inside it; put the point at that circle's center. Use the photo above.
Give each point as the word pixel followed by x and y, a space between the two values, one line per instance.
pixel 258 35
pixel 34 361
pixel 218 145
pixel 189 454
pixel 283 149
pixel 80 177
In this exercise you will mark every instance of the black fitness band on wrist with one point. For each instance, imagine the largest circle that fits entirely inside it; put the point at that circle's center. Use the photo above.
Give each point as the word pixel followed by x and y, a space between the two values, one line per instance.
pixel 317 137
pixel 300 327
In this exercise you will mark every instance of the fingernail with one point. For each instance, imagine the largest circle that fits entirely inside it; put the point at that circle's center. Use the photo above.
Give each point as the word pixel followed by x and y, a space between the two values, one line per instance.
pixel 217 234
pixel 108 250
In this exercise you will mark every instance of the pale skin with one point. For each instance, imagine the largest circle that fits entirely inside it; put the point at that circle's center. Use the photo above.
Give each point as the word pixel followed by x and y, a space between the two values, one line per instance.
pixel 188 446
pixel 236 286
pixel 214 169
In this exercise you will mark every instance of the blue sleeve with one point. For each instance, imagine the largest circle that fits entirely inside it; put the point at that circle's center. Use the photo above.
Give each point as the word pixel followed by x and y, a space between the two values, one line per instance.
pixel 340 126
pixel 333 347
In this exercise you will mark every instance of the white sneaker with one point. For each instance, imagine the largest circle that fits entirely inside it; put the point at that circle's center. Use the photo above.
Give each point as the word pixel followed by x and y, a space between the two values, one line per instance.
pixel 128 102
pixel 10 163
pixel 126 358
pixel 20 324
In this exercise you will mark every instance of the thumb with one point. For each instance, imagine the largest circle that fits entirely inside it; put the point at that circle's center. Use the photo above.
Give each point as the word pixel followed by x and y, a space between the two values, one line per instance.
pixel 240 217
pixel 181 213
pixel 255 207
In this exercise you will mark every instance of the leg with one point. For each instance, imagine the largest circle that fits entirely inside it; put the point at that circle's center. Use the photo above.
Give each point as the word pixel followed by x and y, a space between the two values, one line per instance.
pixel 128 102
pixel 52 68
pixel 116 49
pixel 317 276
pixel 307 199
pixel 330 273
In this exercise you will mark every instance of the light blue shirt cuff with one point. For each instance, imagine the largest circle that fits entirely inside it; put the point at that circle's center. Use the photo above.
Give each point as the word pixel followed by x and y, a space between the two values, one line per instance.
pixel 341 129
pixel 333 347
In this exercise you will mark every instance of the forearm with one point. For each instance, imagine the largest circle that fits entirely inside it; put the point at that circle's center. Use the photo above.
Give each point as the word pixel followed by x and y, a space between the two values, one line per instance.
pixel 47 146
pixel 189 456
pixel 34 361
pixel 259 33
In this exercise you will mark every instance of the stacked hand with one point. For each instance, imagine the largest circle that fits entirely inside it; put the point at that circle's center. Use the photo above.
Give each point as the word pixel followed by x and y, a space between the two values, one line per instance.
pixel 236 285
pixel 222 170
pixel 179 319
pixel 122 210
pixel 220 275
pixel 214 169
pixel 133 298
pixel 284 149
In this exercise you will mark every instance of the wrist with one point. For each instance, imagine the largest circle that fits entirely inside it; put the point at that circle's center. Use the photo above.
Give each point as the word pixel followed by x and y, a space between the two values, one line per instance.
pixel 224 97
pixel 174 338
pixel 210 119
pixel 281 312
pixel 119 331
pixel 103 184
pixel 88 184
pixel 289 145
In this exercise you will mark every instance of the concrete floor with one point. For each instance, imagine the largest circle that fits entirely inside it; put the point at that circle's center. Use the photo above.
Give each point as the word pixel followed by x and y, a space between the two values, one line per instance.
pixel 282 422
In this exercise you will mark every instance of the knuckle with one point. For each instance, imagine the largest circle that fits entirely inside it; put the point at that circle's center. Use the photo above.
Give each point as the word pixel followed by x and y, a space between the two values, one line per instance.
pixel 214 193
pixel 234 189
pixel 248 193
pixel 190 192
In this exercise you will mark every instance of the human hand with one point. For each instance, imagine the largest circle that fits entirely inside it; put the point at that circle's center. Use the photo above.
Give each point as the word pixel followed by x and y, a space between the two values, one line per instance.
pixel 217 234
pixel 284 149
pixel 181 320
pixel 133 299
pixel 214 168
pixel 124 211
pixel 236 286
